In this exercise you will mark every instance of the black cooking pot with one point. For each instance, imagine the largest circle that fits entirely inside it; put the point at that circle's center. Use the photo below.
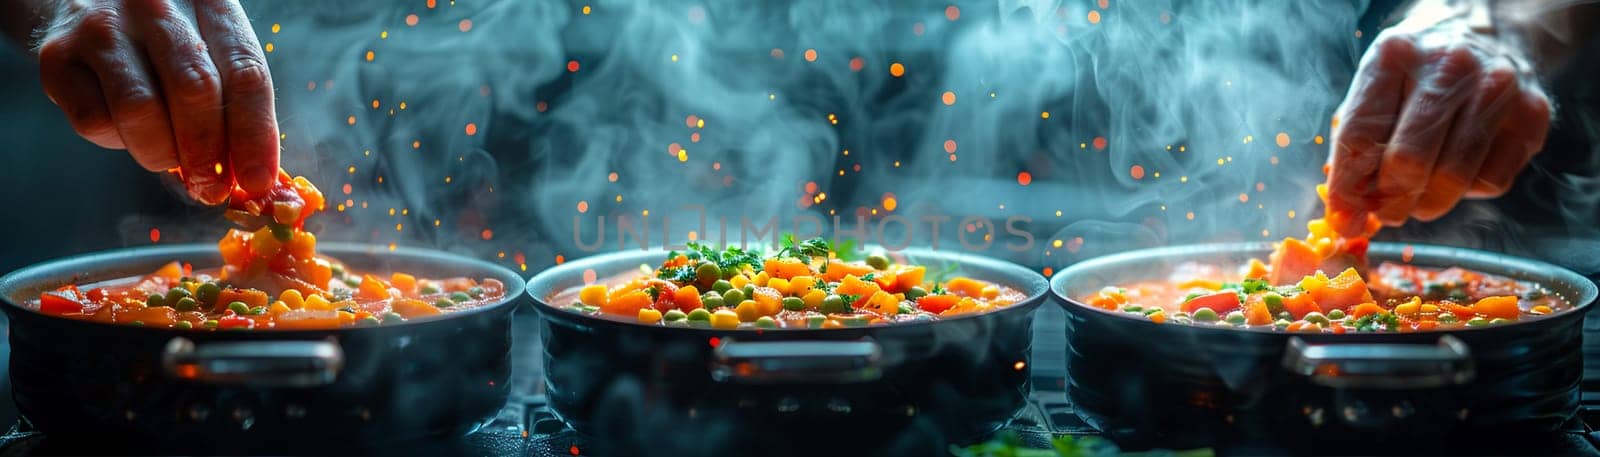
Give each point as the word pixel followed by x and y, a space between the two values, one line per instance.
pixel 114 388
pixel 903 388
pixel 1147 385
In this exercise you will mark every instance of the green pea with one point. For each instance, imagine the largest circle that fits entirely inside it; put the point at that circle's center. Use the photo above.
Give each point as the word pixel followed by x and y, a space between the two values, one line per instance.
pixel 368 321
pixel 238 307
pixel 749 291
pixel 1458 296
pixel 733 297
pixel 1448 318
pixel 1499 320
pixel 1133 309
pixel 834 304
pixel 176 293
pixel 459 297
pixel 1273 301
pixel 699 315
pixel 137 323
pixel 429 289
pixel 793 303
pixel 1281 324
pixel 1336 314
pixel 878 261
pixel 714 301
pixel 475 292
pixel 916 292
pixel 815 321
pixel 1477 322
pixel 1151 310
pixel 209 323
pixel 259 310
pixel 155 300
pixel 1315 318
pixel 1285 315
pixel 855 321
pixel 281 232
pixel 1205 315
pixel 1534 294
pixel 1182 314
pixel 183 325
pixel 443 303
pixel 186 304
pixel 1235 318
pixel 707 273
pixel 207 293
pixel 906 308
pixel 674 316
pixel 347 309
pixel 352 281
pixel 392 317
pixel 766 322
pixel 338 270
pixel 721 286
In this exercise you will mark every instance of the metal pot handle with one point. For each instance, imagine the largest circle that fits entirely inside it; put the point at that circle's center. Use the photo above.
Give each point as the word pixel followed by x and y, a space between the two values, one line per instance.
pixel 294 363
pixel 1381 366
pixel 795 362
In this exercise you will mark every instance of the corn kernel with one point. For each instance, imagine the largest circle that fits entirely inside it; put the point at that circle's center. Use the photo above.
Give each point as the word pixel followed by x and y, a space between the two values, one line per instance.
pixel 649 316
pixel 780 284
pixel 761 279
pixel 593 295
pixel 1409 308
pixel 278 307
pixel 814 298
pixel 748 311
pixel 1541 309
pixel 725 318
pixel 801 285
pixel 316 302
pixel 739 281
pixel 1430 308
pixel 292 299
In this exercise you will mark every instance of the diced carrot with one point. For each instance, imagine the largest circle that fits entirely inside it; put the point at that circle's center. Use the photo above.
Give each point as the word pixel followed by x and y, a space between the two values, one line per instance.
pixel 885 280
pixel 768 300
pixel 1222 302
pixel 1364 309
pixel 1257 314
pixel 155 316
pixel 627 304
pixel 1158 317
pixel 1108 298
pixel 785 268
pixel 1296 326
pixel 884 303
pixel 372 288
pixel 1257 270
pixel 406 283
pixel 687 298
pixel 1200 283
pixel 1300 304
pixel 1424 326
pixel 907 278
pixel 837 270
pixel 250 297
pixel 852 285
pixel 172 271
pixel 593 295
pixel 1504 306
pixel 303 245
pixel 264 244
pixel 309 319
pixel 411 308
pixel 1292 260
pixel 964 286
pixel 1343 291
pixel 938 303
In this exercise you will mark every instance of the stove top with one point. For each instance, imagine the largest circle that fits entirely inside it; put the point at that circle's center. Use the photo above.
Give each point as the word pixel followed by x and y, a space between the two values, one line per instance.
pixel 527 427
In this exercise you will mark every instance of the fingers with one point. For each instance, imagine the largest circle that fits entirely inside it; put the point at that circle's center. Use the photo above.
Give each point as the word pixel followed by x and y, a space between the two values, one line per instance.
pixel 1467 145
pixel 1521 135
pixel 134 103
pixel 72 86
pixel 1443 88
pixel 1366 120
pixel 193 95
pixel 247 99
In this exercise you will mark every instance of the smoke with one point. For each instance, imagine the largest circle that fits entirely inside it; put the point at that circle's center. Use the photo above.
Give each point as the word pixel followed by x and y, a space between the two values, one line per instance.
pixel 536 120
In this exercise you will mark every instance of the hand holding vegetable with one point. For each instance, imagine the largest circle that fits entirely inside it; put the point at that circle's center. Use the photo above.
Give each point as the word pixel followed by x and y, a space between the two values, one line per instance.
pixel 1437 112
pixel 179 84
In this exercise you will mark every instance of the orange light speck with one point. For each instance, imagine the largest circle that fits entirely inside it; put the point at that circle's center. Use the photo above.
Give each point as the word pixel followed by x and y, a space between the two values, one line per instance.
pixel 472 129
pixel 950 146
pixel 486 234
pixel 1136 171
pixel 694 137
pixel 917 29
pixel 583 206
pixel 432 3
pixel 889 202
pixel 716 165
pixel 1189 215
pixel 411 20
pixel 776 53
pixel 672 149
pixel 1024 178
pixel 1317 139
pixel 1244 198
pixel 346 188
pixel 1407 253
pixel 1094 17
pixel 350 120
pixel 560 259
pixel 949 98
pixel 897 70
pixel 612 177
pixel 1099 142
pixel 1105 4
pixel 811 55
pixel 1049 271
pixel 1044 115
pixel 1282 140
pixel 416 144
pixel 155 235
pixel 952 12
pixel 572 66
pixel 371 55
pixel 857 63
pixel 1021 364
pixel 464 25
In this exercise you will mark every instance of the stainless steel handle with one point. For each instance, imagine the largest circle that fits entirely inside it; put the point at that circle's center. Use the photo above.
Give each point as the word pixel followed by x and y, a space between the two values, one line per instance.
pixel 1381 366
pixel 260 363
pixel 789 362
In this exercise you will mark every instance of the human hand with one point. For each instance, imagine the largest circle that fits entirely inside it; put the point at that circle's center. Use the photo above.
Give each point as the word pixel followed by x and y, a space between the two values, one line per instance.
pixel 1434 115
pixel 178 83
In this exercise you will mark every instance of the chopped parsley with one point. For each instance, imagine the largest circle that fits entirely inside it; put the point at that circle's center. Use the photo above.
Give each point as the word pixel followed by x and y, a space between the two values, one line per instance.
pixel 870 277
pixel 730 260
pixel 849 299
pixel 1377 321
pixel 803 250
pixel 679 274
pixel 1252 285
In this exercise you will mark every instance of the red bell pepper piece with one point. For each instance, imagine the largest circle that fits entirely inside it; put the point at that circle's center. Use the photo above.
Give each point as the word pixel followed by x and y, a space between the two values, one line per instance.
pixel 56 302
pixel 1222 302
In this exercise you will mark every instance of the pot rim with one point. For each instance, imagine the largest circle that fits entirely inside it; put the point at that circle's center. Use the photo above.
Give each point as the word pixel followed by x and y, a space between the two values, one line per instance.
pixel 1544 273
pixel 92 266
pixel 543 284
